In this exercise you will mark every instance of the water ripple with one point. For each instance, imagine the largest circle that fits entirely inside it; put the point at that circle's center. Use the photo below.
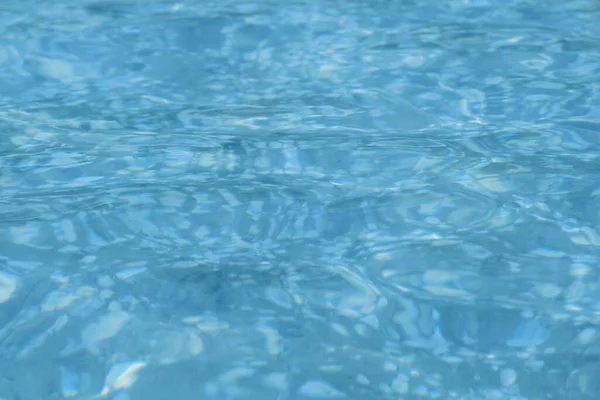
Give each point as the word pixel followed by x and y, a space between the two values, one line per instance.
pixel 332 199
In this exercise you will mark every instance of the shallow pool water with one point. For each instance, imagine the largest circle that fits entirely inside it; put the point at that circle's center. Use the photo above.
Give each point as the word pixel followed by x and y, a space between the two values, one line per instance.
pixel 299 200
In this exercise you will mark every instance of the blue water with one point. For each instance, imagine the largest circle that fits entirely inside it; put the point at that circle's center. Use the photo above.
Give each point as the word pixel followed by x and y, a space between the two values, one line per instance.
pixel 279 200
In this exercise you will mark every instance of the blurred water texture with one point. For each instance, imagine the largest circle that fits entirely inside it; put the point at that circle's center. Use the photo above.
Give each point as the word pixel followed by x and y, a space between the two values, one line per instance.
pixel 299 199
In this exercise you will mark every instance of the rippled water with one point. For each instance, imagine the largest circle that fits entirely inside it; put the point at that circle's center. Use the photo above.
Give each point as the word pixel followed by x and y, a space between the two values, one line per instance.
pixel 301 199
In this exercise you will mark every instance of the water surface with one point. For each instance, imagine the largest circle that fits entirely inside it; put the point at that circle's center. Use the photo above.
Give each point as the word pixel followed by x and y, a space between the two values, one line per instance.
pixel 299 200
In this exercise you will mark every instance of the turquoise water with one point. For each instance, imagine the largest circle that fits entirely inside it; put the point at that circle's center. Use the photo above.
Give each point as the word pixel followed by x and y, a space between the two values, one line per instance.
pixel 299 200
